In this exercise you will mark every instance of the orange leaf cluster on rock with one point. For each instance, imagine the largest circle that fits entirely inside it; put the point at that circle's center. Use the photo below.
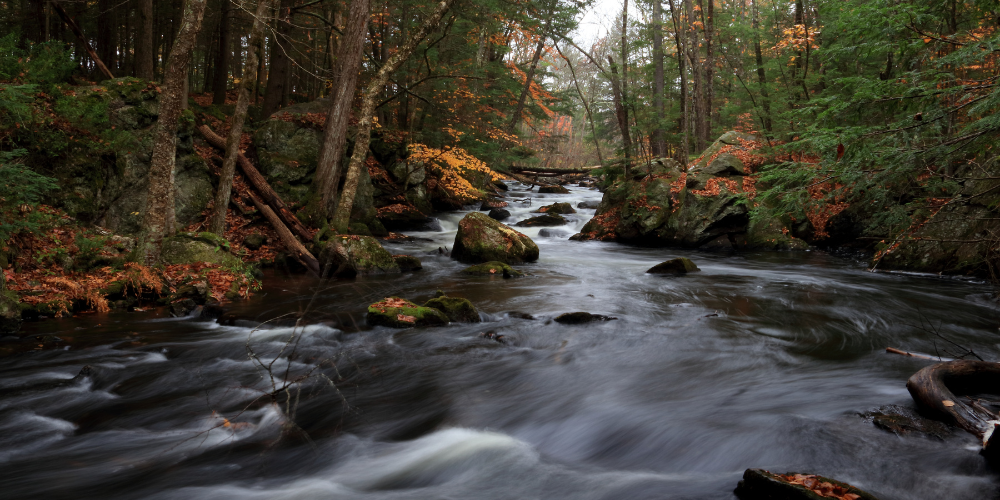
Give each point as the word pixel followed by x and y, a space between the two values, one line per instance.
pixel 824 489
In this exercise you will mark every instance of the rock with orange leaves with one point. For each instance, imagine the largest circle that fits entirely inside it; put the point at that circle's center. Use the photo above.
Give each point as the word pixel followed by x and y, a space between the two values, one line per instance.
pixel 759 484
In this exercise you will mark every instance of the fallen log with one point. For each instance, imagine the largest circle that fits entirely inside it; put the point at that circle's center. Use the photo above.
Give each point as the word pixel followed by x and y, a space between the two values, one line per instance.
pixel 934 389
pixel 258 181
pixel 298 251
pixel 82 38
pixel 558 171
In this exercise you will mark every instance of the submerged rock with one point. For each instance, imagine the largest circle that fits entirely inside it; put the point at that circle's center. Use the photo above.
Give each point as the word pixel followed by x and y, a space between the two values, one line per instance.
pixel 576 318
pixel 553 189
pixel 407 263
pixel 189 248
pixel 457 309
pixel 352 255
pixel 588 204
pixel 903 421
pixel 492 269
pixel 543 220
pixel 556 208
pixel 680 265
pixel 553 233
pixel 482 239
pixel 759 484
pixel 400 313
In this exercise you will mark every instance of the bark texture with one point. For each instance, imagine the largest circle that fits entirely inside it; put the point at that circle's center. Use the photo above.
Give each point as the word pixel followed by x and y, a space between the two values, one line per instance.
pixel 352 45
pixel 144 48
pixel 369 101
pixel 217 223
pixel 159 220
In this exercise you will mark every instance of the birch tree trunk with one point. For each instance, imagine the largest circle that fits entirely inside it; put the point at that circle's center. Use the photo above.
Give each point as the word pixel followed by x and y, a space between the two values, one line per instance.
pixel 363 137
pixel 217 222
pixel 352 45
pixel 160 219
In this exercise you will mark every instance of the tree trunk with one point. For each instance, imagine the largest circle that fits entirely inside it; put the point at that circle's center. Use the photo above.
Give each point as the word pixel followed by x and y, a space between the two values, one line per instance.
pixel 363 137
pixel 659 140
pixel 298 251
pixel 620 113
pixel 709 68
pixel 627 143
pixel 684 149
pixel 220 83
pixel 144 48
pixel 696 71
pixel 217 222
pixel 761 76
pixel 106 27
pixel 160 220
pixel 583 99
pixel 352 46
pixel 83 40
pixel 528 78
pixel 277 75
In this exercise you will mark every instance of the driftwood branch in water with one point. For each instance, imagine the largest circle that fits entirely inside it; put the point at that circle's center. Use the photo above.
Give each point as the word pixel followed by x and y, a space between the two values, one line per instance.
pixel 296 248
pixel 83 39
pixel 269 196
pixel 934 390
pixel 546 170
pixel 893 350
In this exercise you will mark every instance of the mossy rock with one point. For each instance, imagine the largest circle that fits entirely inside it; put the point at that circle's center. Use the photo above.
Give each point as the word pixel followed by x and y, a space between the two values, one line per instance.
pixel 556 208
pixel 254 241
pixel 359 229
pixel 493 269
pixel 482 239
pixel 553 190
pixel 457 309
pixel 10 310
pixel 352 255
pixel 680 265
pixel 759 484
pixel 543 221
pixel 407 263
pixel 189 248
pixel 395 312
pixel 499 214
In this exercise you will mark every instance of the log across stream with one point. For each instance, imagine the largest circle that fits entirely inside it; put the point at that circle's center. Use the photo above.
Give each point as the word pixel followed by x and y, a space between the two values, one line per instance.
pixel 760 360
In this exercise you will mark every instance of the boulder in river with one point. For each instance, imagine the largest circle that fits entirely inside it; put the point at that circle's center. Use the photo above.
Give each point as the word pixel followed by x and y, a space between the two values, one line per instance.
pixel 457 309
pixel 680 265
pixel 759 484
pixel 556 208
pixel 576 318
pixel 400 313
pixel 482 239
pixel 353 255
pixel 553 189
pixel 492 269
pixel 407 263
pixel 543 220
pixel 499 214
pixel 553 233
pixel 588 204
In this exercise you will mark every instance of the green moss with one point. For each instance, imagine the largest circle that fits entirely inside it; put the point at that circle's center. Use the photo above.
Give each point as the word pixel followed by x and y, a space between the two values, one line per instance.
pixel 353 255
pixel 680 265
pixel 542 221
pixel 492 269
pixel 482 239
pixel 399 313
pixel 189 248
pixel 407 263
pixel 457 309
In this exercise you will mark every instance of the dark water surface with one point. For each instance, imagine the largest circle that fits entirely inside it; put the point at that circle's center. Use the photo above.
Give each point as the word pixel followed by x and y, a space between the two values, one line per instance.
pixel 759 360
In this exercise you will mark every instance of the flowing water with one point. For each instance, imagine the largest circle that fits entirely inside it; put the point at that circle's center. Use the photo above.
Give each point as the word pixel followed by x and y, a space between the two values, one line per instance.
pixel 758 360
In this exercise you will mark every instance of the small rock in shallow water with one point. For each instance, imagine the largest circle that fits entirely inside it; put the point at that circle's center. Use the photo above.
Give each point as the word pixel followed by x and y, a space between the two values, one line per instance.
pixel 680 265
pixel 588 204
pixel 499 214
pixel 575 318
pixel 553 233
pixel 553 189
pixel 759 484
pixel 543 220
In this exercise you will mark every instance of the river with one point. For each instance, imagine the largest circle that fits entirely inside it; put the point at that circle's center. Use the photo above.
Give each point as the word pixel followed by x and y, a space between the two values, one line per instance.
pixel 758 360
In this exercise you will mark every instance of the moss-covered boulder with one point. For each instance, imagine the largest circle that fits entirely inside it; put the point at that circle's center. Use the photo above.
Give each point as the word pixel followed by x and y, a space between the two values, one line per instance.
pixel 492 269
pixel 680 265
pixel 400 313
pixel 347 256
pixel 759 484
pixel 457 309
pixel 553 190
pixel 543 221
pixel 556 209
pixel 407 263
pixel 482 239
pixel 10 311
pixel 188 248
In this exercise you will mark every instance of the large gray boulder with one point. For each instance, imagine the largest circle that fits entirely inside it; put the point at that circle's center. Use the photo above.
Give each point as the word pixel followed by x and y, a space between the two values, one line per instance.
pixel 482 239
